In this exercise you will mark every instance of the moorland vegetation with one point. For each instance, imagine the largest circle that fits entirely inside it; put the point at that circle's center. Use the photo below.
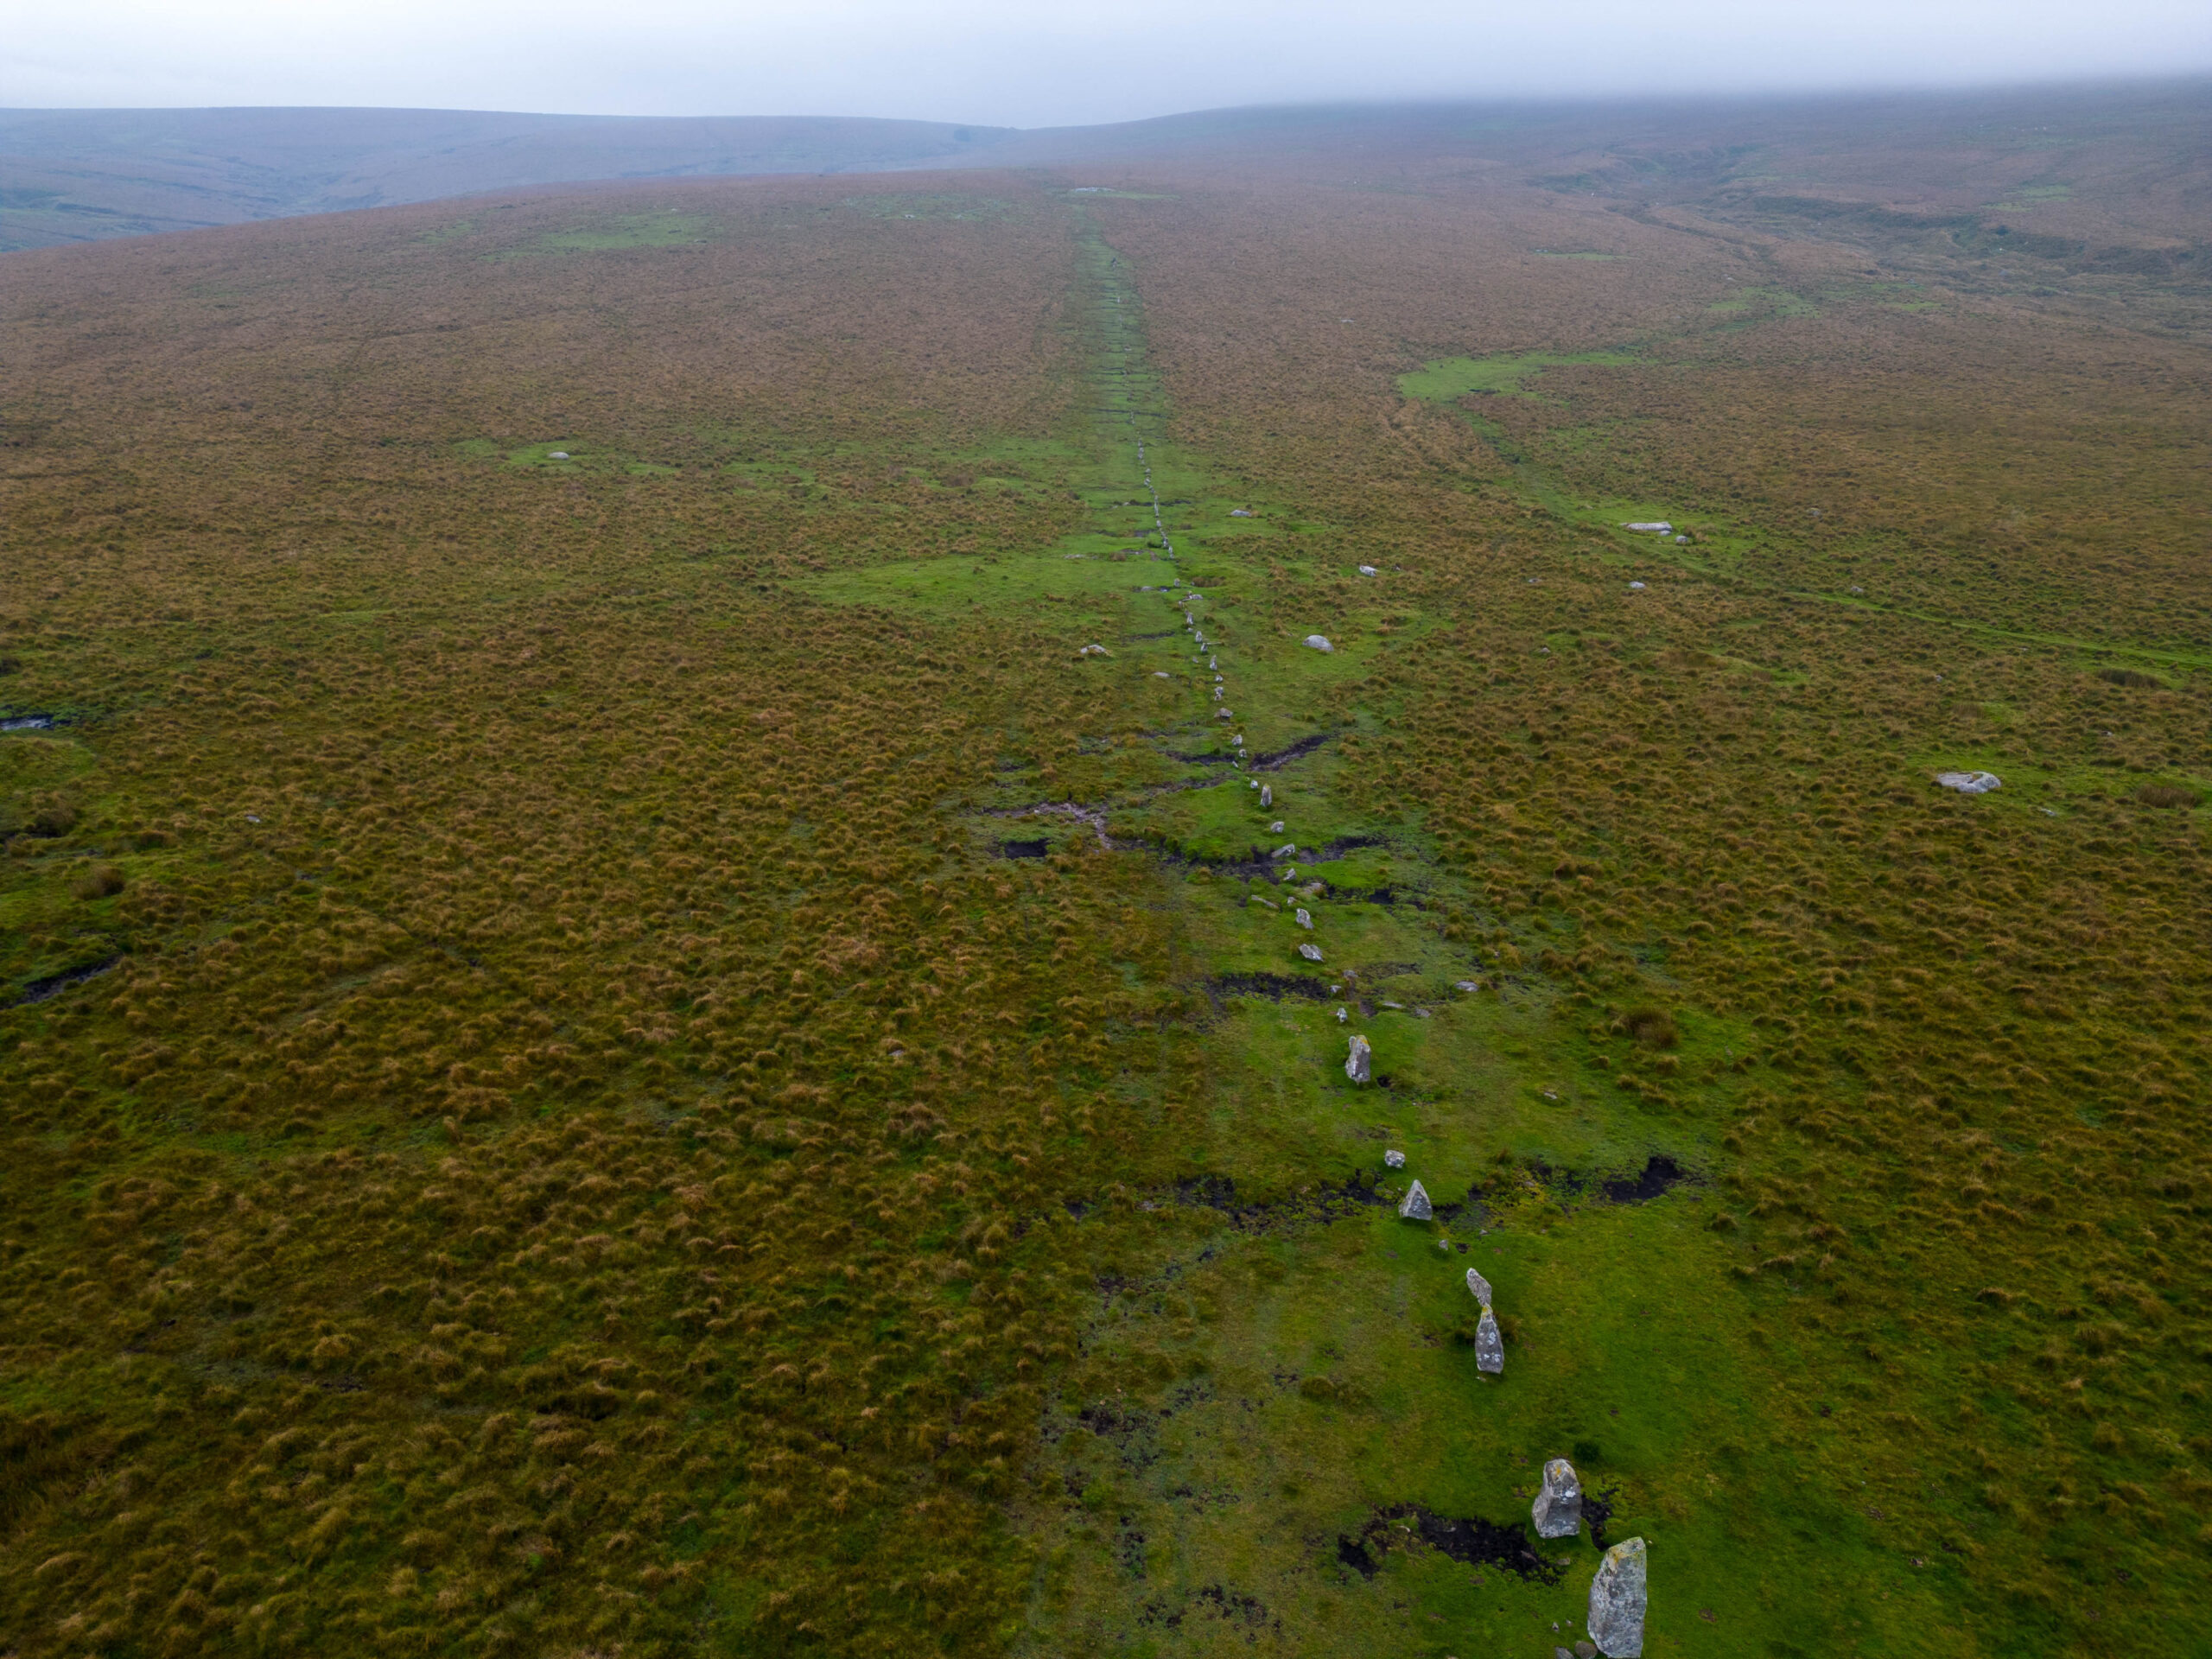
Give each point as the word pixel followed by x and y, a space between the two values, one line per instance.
pixel 618 1040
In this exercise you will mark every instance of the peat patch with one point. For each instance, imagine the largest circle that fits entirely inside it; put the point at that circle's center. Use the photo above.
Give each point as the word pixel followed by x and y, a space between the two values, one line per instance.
pixel 1273 987
pixel 1660 1174
pixel 1283 757
pixel 39 989
pixel 1037 848
pixel 1475 1542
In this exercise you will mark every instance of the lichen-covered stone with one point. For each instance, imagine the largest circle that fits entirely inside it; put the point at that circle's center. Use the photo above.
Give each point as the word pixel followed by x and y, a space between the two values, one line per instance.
pixel 1970 783
pixel 1305 918
pixel 1558 1508
pixel 1359 1065
pixel 1266 794
pixel 1479 1286
pixel 1414 1206
pixel 1618 1598
pixel 1395 1160
pixel 1312 953
pixel 1319 642
pixel 1489 1346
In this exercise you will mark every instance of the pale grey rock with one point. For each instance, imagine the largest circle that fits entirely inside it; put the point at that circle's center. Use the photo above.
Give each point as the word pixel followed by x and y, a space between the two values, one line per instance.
pixel 1558 1508
pixel 1480 1286
pixel 1161 674
pixel 1635 586
pixel 1618 1596
pixel 1224 713
pixel 1489 1347
pixel 1415 1206
pixel 1275 828
pixel 1395 1160
pixel 1341 1015
pixel 1658 526
pixel 1267 795
pixel 1970 783
pixel 557 454
pixel 1466 985
pixel 1240 513
pixel 1366 569
pixel 1305 918
pixel 1359 1065
pixel 1288 849
pixel 1319 642
pixel 1311 952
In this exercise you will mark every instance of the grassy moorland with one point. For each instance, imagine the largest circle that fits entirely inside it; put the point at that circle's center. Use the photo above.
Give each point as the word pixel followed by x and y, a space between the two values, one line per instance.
pixel 618 1039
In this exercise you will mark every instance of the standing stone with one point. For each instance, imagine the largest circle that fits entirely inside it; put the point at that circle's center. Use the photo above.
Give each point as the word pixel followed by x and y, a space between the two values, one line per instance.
pixel 1480 1286
pixel 1489 1347
pixel 1618 1598
pixel 1266 794
pixel 1304 919
pixel 1359 1065
pixel 1558 1508
pixel 1414 1206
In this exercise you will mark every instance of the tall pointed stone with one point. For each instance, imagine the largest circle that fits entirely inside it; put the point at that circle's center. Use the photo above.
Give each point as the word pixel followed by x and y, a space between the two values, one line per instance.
pixel 1266 794
pixel 1415 1206
pixel 1489 1346
pixel 1558 1508
pixel 1359 1065
pixel 1618 1598
pixel 1480 1287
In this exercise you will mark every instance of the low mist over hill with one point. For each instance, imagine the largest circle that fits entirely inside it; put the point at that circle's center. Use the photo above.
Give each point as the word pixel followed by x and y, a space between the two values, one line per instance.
pixel 75 175
pixel 2096 172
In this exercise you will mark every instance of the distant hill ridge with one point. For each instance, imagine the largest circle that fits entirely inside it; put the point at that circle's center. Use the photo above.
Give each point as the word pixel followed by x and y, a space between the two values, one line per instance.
pixel 2127 191
pixel 77 175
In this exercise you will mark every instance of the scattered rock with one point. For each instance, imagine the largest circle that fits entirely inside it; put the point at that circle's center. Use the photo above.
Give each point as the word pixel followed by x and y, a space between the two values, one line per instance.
pixel 1341 1015
pixel 1092 650
pixel 1288 849
pixel 1267 795
pixel 1224 713
pixel 1659 526
pixel 1161 674
pixel 1682 540
pixel 1415 1206
pixel 1970 783
pixel 1618 1598
pixel 1240 513
pixel 1305 918
pixel 1311 952
pixel 1319 642
pixel 1359 1065
pixel 1393 1160
pixel 1558 1508
pixel 1480 1286
pixel 1366 569
pixel 1275 828
pixel 27 723
pixel 1635 586
pixel 557 454
pixel 1466 985
pixel 1489 1347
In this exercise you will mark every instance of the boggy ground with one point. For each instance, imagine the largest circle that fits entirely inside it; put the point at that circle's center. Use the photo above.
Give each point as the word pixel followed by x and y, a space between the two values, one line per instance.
pixel 581 1135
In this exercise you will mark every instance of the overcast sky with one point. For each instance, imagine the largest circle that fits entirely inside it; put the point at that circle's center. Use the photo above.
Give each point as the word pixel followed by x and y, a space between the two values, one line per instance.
pixel 1028 63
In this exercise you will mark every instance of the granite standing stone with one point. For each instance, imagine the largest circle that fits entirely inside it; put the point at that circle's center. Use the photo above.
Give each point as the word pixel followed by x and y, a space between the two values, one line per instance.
pixel 1266 794
pixel 1414 1206
pixel 1480 1286
pixel 1489 1347
pixel 1359 1065
pixel 1617 1597
pixel 1558 1508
